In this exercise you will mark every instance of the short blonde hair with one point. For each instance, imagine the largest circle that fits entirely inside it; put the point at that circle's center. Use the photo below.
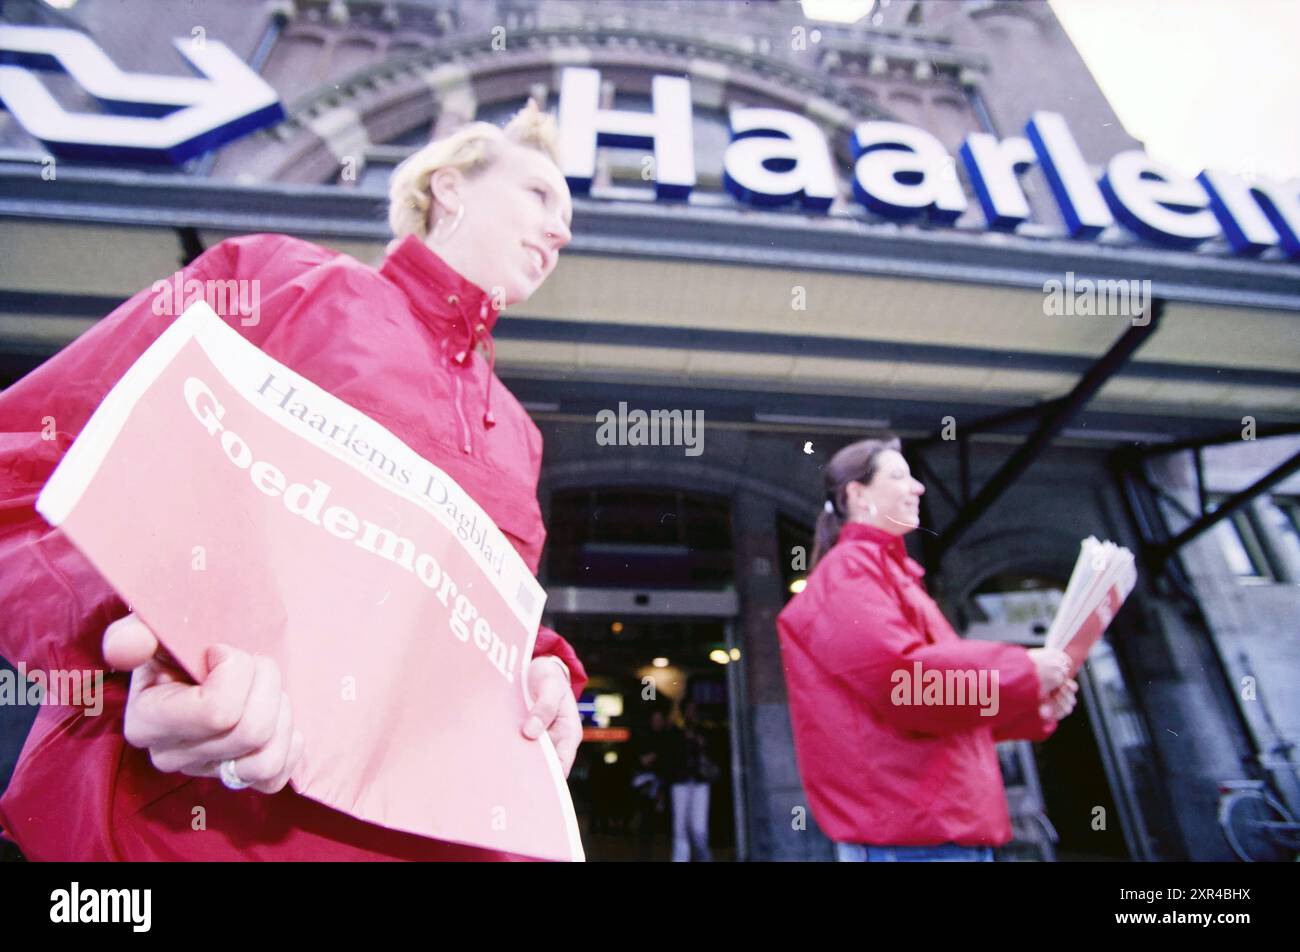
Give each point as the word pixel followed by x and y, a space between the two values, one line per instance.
pixel 472 148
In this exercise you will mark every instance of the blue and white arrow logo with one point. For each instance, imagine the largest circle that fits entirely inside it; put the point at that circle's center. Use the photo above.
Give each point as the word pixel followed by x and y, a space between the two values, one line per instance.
pixel 148 118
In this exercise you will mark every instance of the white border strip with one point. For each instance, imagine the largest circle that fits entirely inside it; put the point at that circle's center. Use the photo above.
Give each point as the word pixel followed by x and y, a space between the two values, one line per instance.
pixel 79 465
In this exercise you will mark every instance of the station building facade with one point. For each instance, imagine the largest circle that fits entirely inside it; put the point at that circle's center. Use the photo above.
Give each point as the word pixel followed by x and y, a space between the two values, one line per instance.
pixel 798 305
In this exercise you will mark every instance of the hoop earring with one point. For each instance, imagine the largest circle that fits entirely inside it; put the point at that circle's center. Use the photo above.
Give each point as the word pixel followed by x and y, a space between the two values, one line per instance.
pixel 439 239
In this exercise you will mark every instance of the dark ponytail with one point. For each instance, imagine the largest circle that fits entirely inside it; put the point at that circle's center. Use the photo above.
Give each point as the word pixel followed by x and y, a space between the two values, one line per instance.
pixel 825 535
pixel 855 462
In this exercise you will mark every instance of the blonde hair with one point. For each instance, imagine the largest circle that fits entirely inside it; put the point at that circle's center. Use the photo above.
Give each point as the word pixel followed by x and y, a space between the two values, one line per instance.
pixel 472 148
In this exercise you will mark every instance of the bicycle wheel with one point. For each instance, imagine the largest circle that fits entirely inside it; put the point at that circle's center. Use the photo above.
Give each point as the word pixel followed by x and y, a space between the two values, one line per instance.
pixel 1242 819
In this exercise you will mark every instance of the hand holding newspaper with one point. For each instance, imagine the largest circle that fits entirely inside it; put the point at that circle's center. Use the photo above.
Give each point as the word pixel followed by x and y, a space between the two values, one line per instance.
pixel 211 490
pixel 1103 577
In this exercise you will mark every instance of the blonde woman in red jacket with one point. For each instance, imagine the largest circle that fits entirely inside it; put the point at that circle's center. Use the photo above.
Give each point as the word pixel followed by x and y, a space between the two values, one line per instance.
pixel 895 716
pixel 480 218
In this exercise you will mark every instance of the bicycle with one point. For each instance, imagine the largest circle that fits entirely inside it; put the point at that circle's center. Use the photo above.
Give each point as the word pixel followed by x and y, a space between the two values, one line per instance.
pixel 1256 825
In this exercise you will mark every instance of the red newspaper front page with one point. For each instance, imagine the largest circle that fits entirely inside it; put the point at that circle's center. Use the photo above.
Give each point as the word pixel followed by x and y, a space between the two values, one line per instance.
pixel 402 619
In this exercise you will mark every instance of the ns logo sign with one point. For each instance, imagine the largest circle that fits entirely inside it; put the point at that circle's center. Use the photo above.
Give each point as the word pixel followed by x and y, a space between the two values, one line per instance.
pixel 147 117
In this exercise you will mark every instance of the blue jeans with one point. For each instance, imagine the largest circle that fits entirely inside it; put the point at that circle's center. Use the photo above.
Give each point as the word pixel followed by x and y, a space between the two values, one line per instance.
pixel 946 853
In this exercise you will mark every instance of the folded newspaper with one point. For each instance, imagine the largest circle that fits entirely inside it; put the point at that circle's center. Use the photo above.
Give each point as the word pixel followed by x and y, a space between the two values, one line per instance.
pixel 1103 577
pixel 207 492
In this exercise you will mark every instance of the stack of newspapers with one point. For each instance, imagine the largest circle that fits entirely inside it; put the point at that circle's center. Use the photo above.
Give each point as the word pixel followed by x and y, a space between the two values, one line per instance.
pixel 1103 577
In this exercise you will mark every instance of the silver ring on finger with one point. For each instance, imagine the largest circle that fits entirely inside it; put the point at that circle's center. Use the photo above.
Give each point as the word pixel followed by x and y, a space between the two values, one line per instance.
pixel 230 778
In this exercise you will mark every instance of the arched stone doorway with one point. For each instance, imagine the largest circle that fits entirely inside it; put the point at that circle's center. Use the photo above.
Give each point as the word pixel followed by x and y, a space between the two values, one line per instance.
pixel 1081 794
pixel 729 613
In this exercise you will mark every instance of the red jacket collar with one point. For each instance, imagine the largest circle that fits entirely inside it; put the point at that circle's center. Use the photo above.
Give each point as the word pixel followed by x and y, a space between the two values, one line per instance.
pixel 440 295
pixel 893 544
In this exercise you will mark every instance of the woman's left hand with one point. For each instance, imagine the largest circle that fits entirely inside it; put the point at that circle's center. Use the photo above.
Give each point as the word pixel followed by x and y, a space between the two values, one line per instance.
pixel 554 710
pixel 1061 702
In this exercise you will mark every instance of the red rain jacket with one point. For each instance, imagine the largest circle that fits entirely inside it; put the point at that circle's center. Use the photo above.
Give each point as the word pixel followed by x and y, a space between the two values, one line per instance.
pixel 397 343
pixel 877 770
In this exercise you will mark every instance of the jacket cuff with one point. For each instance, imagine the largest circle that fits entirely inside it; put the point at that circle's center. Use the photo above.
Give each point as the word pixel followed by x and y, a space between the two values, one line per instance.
pixel 550 644
pixel 1029 726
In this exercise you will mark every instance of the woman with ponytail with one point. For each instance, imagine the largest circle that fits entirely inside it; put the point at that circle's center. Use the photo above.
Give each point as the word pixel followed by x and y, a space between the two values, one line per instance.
pixel 895 716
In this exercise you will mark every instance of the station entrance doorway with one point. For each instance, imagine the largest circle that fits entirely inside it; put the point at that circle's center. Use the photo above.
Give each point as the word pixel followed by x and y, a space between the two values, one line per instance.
pixel 639 581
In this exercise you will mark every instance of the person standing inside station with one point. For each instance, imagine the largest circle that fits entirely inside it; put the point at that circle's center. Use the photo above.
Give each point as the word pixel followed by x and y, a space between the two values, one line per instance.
pixel 693 770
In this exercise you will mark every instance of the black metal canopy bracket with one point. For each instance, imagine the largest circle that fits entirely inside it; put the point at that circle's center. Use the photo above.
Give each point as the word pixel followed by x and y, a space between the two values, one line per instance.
pixel 1162 552
pixel 1261 431
pixel 1053 416
pixel 191 245
pixel 996 421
